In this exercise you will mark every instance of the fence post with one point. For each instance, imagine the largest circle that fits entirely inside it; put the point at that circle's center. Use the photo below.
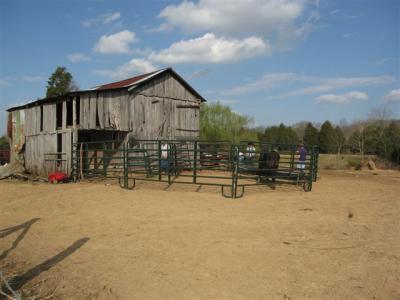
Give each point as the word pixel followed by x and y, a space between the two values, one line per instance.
pixel 169 151
pixel 235 168
pixel 124 149
pixel 292 152
pixel 195 163
pixel 315 166
pixel 159 161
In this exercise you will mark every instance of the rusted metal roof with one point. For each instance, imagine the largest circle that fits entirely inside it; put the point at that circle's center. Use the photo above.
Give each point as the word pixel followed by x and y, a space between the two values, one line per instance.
pixel 130 84
pixel 124 83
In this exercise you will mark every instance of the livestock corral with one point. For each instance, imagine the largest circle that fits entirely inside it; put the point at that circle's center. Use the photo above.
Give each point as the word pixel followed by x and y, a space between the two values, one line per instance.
pixel 94 240
pixel 230 166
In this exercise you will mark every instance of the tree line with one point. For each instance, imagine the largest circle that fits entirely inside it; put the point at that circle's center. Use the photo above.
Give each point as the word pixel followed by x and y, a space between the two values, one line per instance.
pixel 377 135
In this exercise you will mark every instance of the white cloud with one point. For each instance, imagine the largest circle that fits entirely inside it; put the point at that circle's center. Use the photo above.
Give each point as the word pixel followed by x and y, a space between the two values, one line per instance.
pixel 3 82
pixel 266 82
pixel 163 27
pixel 115 43
pixel 329 84
pixel 344 98
pixel 102 19
pixel 29 78
pixel 211 49
pixel 199 73
pixel 235 16
pixel 312 84
pixel 111 17
pixel 128 69
pixel 280 21
pixel 393 95
pixel 78 57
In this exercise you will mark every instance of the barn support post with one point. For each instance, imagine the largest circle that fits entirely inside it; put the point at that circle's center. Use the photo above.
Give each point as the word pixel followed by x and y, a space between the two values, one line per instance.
pixel 104 160
pixel 195 163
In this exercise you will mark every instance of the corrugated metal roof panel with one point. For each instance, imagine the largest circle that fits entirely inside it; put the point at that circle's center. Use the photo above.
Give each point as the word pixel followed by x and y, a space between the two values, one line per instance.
pixel 125 82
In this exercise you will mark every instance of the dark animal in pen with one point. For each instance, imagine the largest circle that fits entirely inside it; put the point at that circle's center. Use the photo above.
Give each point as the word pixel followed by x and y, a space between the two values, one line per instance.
pixel 210 155
pixel 268 164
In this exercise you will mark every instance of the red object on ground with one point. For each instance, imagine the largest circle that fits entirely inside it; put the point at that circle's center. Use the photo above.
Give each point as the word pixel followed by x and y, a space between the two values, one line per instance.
pixel 56 177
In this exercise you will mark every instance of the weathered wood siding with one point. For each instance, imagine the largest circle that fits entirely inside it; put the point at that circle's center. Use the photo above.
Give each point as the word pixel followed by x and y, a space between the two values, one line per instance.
pixel 164 108
pixel 110 108
pixel 35 149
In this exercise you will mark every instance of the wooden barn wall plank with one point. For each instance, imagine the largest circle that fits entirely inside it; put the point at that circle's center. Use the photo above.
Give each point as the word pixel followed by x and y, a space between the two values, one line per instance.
pixel 124 110
pixel 106 105
pixel 84 111
pixel 92 111
pixel 28 122
pixel 49 118
pixel 74 112
pixel 115 110
pixel 100 110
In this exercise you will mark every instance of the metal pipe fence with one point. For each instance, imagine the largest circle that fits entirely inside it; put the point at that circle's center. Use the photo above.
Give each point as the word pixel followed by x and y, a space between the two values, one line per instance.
pixel 232 167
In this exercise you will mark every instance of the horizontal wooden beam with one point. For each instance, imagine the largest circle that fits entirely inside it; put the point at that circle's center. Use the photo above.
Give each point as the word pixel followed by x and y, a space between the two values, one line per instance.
pixel 191 130
pixel 188 106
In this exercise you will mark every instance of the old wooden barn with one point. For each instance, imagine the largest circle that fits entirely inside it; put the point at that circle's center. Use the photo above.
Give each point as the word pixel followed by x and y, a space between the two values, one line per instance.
pixel 157 105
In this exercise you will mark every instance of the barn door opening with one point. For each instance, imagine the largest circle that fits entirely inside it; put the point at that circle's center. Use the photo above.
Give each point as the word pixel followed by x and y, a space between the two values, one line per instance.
pixel 97 150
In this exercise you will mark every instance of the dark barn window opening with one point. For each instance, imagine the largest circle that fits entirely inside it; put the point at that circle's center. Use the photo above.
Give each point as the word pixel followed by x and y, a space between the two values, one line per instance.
pixel 97 115
pixel 59 149
pixel 41 118
pixel 59 114
pixel 78 110
pixel 69 113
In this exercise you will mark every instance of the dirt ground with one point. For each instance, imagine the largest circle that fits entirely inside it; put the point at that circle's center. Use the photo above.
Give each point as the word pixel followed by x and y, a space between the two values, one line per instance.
pixel 98 241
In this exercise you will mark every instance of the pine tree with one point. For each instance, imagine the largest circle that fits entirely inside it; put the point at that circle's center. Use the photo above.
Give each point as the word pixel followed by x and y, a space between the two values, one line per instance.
pixel 310 135
pixel 326 138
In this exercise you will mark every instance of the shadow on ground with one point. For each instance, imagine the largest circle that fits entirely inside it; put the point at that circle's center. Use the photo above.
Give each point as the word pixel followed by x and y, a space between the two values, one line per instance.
pixel 19 281
pixel 10 230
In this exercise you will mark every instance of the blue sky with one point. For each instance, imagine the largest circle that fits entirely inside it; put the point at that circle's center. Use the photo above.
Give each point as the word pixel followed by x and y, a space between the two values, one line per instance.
pixel 274 60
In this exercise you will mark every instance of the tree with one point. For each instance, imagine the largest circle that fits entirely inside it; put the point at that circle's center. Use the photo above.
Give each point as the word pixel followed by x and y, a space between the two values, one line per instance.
pixel 357 139
pixel 300 127
pixel 219 122
pixel 326 138
pixel 393 133
pixel 60 82
pixel 310 135
pixel 280 135
pixel 340 140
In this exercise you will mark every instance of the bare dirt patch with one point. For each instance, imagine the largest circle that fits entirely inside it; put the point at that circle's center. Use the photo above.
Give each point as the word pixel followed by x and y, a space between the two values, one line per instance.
pixel 97 241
